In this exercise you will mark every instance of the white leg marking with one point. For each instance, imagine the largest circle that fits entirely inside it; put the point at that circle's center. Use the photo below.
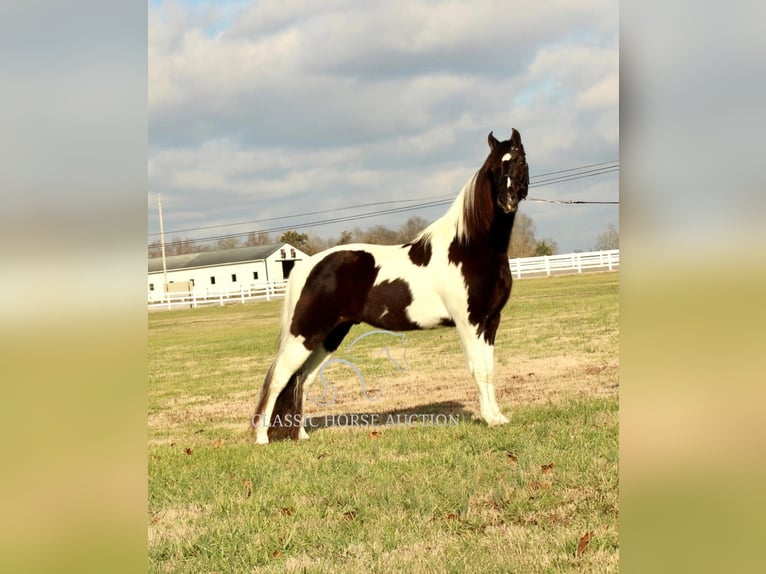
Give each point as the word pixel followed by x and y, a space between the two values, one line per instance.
pixel 480 357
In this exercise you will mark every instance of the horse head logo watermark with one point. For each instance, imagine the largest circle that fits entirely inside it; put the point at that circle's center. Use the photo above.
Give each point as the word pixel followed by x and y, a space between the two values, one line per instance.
pixel 329 392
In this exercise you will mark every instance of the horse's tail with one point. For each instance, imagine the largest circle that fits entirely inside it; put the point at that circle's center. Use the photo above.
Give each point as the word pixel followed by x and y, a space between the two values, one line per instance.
pixel 290 399
pixel 284 421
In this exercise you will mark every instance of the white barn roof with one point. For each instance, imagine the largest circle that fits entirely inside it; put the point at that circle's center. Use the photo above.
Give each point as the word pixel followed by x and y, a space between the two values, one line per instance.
pixel 213 258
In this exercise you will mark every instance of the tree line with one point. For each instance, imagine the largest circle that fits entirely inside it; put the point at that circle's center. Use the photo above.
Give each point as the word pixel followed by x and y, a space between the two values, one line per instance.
pixel 524 242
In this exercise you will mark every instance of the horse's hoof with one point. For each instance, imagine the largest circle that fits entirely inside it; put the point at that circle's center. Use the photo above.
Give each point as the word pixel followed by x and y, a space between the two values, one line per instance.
pixel 497 420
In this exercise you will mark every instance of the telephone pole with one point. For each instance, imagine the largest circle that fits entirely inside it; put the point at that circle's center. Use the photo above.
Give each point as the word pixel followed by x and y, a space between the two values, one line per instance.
pixel 162 243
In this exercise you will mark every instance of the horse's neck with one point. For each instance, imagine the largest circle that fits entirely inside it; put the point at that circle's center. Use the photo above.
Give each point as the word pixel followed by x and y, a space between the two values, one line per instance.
pixel 494 236
pixel 499 238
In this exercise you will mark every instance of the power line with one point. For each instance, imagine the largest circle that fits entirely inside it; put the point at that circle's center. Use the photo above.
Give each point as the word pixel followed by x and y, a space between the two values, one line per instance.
pixel 615 166
pixel 580 175
pixel 573 174
pixel 616 162
pixel 573 201
pixel 293 216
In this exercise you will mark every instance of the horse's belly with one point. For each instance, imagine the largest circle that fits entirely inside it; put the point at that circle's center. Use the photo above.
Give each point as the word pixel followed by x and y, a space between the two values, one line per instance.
pixel 392 305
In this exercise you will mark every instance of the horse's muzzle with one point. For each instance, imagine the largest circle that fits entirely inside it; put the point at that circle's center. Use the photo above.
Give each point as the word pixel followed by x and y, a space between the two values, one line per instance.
pixel 508 203
pixel 508 200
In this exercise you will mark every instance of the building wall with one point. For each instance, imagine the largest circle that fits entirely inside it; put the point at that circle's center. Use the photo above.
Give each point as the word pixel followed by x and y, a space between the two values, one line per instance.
pixel 286 253
pixel 228 277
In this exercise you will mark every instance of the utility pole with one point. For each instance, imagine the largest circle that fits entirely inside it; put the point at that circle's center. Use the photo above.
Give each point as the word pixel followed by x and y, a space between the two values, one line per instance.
pixel 162 243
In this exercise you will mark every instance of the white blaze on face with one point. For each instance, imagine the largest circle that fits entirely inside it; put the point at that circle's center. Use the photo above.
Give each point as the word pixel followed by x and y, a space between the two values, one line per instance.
pixel 507 157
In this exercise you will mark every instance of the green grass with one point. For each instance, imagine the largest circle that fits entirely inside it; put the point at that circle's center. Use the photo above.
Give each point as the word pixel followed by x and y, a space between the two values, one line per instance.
pixel 435 498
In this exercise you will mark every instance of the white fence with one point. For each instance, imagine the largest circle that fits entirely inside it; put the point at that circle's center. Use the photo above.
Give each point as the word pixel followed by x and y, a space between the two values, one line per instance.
pixel 175 300
pixel 544 266
pixel 548 265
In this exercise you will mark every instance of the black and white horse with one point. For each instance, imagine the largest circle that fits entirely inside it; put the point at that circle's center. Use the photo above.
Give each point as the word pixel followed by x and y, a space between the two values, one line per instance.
pixel 455 273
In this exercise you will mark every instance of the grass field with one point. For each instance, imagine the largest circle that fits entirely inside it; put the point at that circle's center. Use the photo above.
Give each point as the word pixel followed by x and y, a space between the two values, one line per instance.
pixel 456 496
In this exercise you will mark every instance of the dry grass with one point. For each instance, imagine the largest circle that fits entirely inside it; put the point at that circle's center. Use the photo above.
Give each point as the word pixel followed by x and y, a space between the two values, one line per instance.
pixel 445 498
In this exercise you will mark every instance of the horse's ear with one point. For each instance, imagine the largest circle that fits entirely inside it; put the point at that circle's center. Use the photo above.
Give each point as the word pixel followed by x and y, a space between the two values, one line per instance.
pixel 515 137
pixel 492 141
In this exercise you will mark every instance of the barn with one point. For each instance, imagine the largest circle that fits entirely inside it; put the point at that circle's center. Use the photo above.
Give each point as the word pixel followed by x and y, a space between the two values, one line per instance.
pixel 212 272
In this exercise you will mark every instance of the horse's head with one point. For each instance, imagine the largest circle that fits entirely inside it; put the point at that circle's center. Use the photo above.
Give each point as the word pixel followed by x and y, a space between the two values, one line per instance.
pixel 507 171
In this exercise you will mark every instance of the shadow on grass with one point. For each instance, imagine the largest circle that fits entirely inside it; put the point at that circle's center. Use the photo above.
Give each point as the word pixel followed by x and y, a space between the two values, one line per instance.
pixel 443 412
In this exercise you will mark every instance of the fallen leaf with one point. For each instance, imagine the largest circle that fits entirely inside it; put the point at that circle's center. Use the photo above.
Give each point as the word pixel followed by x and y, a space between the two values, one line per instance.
pixel 452 516
pixel 248 487
pixel 375 434
pixel 286 511
pixel 157 517
pixel 217 443
pixel 583 545
pixel 276 553
pixel 187 450
pixel 350 515
pixel 512 458
pixel 537 486
pixel 547 468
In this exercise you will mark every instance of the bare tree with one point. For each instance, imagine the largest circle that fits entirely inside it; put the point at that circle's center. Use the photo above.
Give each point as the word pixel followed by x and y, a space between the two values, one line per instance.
pixel 179 246
pixel 380 235
pixel 258 238
pixel 411 228
pixel 227 243
pixel 315 244
pixel 609 239
pixel 345 238
pixel 523 241
pixel 155 249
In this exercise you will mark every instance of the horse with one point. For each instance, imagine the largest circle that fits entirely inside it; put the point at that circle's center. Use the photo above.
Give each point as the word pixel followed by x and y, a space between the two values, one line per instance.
pixel 454 273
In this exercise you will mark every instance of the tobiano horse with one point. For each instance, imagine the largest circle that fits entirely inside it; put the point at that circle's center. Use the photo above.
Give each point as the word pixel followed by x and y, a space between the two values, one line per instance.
pixel 454 273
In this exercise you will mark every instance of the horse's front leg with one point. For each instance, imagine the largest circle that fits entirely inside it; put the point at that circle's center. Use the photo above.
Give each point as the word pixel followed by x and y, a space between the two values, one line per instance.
pixel 480 356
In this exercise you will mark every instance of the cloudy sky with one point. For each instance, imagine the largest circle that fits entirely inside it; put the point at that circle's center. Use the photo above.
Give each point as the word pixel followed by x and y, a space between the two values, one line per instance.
pixel 276 108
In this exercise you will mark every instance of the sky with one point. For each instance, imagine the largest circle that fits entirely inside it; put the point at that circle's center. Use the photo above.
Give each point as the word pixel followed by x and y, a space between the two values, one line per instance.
pixel 278 108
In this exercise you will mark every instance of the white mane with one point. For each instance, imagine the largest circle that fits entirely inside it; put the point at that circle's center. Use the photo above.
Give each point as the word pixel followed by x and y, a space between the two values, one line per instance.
pixel 453 223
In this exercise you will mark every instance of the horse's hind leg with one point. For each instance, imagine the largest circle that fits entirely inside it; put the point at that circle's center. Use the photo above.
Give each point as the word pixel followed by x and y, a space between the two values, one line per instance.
pixel 291 357
pixel 312 367
pixel 318 358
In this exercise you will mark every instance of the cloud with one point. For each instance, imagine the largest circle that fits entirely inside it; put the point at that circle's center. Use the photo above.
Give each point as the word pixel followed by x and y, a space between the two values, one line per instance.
pixel 259 106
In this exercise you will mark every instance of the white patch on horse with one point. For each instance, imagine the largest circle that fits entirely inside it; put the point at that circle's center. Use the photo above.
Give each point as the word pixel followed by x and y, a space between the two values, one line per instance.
pixel 394 263
pixel 507 157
